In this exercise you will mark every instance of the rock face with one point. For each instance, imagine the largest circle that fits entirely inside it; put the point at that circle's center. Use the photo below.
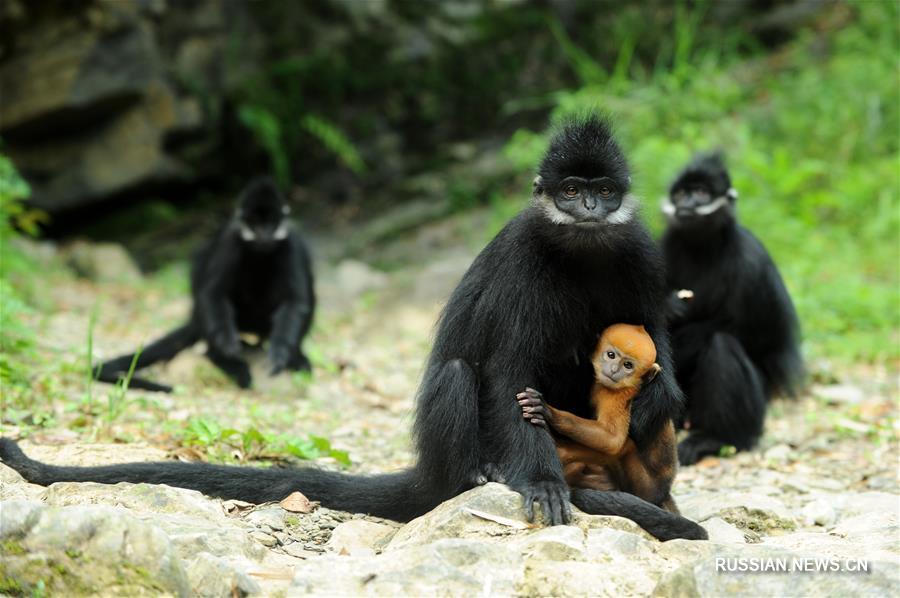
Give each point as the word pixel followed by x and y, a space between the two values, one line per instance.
pixel 90 85
pixel 127 539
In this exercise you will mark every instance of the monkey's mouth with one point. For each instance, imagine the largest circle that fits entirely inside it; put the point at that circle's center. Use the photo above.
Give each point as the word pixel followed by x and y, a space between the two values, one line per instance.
pixel 606 380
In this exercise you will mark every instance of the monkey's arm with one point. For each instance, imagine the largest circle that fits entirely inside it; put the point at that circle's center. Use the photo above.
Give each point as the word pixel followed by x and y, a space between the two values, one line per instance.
pixel 216 312
pixel 292 319
pixel 572 452
pixel 607 434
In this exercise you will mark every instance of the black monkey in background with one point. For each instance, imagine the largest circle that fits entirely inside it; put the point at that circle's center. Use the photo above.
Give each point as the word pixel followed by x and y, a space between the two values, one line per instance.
pixel 526 313
pixel 735 341
pixel 254 276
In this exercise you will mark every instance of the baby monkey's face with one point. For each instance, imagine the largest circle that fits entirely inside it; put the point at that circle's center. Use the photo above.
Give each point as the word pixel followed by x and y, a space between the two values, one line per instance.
pixel 617 369
pixel 625 357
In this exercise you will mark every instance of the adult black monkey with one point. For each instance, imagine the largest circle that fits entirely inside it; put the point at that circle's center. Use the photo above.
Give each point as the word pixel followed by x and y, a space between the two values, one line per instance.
pixel 736 340
pixel 254 276
pixel 527 313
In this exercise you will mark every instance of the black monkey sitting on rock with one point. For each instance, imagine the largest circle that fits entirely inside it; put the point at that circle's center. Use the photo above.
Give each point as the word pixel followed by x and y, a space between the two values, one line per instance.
pixel 734 329
pixel 254 276
pixel 526 313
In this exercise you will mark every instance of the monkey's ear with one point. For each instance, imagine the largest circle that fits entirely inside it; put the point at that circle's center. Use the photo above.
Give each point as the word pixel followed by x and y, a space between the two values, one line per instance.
pixel 652 372
pixel 537 186
pixel 731 194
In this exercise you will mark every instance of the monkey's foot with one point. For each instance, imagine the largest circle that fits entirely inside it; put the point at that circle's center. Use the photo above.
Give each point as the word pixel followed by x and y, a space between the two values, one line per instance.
pixel 696 446
pixel 553 496
pixel 489 473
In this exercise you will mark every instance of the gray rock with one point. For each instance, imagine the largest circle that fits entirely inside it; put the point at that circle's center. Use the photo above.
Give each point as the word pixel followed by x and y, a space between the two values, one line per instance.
pixel 211 576
pixel 711 577
pixel 141 498
pixel 264 538
pixel 747 511
pixel 89 549
pixel 613 578
pixel 557 543
pixel 101 262
pixel 870 546
pixel 819 512
pixel 359 537
pixel 267 517
pixel 446 567
pixel 723 532
pixel 603 542
pixel 453 519
pixel 18 516
pixel 191 537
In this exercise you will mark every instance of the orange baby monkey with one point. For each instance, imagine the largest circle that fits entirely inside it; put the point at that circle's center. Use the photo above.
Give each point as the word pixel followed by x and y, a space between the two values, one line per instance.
pixel 597 453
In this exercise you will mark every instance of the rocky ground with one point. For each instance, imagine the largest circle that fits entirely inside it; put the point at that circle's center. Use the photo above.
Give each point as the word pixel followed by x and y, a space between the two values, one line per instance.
pixel 821 491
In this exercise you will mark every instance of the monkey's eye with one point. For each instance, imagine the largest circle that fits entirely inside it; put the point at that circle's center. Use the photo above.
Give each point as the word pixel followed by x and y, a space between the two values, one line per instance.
pixel 605 191
pixel 610 354
pixel 628 365
pixel 571 190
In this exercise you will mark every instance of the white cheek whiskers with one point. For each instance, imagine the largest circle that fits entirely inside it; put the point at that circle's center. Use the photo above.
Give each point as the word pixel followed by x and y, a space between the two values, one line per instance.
pixel 709 208
pixel 247 233
pixel 625 212
pixel 553 214
pixel 281 232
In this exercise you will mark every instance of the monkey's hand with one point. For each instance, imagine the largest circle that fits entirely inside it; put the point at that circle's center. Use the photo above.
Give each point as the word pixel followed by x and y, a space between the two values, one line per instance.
pixel 283 358
pixel 227 342
pixel 678 305
pixel 279 356
pixel 534 409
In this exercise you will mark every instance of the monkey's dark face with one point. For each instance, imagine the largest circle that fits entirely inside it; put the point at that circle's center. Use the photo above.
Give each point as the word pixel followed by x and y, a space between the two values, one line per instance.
pixel 701 196
pixel 262 217
pixel 583 201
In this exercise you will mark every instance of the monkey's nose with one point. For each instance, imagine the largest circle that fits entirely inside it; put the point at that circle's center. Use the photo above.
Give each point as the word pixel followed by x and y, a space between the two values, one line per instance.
pixel 589 203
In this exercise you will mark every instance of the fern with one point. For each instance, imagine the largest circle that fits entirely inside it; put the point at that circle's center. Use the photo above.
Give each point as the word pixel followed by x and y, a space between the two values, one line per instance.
pixel 332 138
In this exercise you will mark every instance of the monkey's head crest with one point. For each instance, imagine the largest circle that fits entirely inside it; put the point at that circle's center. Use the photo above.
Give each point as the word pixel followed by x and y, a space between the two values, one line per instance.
pixel 584 179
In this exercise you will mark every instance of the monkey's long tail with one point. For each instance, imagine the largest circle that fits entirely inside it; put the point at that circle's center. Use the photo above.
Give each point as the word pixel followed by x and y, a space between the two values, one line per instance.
pixel 659 523
pixel 160 350
pixel 399 496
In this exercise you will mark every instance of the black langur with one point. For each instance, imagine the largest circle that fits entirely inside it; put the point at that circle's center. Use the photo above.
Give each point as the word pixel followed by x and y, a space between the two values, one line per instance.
pixel 734 329
pixel 254 276
pixel 526 313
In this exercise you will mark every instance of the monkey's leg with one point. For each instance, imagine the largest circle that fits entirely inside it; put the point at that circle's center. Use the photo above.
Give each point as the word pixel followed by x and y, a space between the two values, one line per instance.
pixel 289 324
pixel 235 367
pixel 727 401
pixel 446 428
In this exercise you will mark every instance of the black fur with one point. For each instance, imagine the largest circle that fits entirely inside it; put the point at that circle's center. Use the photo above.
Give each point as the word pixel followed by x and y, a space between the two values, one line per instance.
pixel 527 313
pixel 736 342
pixel 263 286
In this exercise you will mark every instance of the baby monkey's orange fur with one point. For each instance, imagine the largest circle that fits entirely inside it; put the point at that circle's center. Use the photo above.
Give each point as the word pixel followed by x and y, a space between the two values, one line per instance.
pixel 597 453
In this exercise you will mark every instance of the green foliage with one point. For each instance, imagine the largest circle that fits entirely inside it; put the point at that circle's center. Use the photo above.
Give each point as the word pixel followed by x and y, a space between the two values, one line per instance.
pixel 332 138
pixel 267 130
pixel 230 444
pixel 17 338
pixel 813 148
